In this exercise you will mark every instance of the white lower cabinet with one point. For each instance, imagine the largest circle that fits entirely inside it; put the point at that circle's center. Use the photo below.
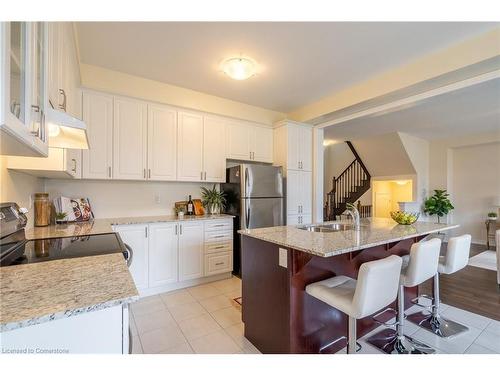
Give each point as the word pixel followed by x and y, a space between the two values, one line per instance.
pixel 162 246
pixel 172 255
pixel 298 219
pixel 97 332
pixel 136 236
pixel 190 251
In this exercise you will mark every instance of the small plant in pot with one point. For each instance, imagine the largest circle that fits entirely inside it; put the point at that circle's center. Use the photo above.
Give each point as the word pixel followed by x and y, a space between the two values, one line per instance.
pixel 213 200
pixel 492 215
pixel 439 204
pixel 61 217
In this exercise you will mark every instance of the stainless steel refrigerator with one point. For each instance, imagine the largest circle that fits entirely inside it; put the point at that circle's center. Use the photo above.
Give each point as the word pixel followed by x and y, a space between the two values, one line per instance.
pixel 255 196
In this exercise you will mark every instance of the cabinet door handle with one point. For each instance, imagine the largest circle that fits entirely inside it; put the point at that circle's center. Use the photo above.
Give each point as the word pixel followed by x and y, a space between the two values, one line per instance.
pixel 180 229
pixel 149 173
pixel 176 229
pixel 144 173
pixel 63 105
pixel 74 165
pixel 109 172
pixel 201 175
pixel 219 247
pixel 146 232
pixel 205 176
pixel 219 263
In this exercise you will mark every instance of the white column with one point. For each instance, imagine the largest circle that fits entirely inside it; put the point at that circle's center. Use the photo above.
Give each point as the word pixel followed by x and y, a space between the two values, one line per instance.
pixel 318 175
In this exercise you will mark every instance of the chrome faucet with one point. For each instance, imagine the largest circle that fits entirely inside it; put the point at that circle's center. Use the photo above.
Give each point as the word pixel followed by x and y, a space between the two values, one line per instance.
pixel 354 213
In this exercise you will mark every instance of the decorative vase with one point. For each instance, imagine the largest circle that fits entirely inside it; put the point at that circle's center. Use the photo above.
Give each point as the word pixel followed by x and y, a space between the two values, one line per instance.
pixel 214 209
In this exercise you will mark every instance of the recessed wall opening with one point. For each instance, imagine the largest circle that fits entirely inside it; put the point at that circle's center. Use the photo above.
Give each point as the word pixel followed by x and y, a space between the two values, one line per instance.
pixel 387 194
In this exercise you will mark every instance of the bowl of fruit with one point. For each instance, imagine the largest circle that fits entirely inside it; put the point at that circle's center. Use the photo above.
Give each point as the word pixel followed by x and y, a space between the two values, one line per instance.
pixel 403 217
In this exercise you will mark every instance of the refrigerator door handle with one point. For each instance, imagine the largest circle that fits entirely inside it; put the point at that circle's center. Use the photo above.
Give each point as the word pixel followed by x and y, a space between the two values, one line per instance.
pixel 246 181
pixel 247 217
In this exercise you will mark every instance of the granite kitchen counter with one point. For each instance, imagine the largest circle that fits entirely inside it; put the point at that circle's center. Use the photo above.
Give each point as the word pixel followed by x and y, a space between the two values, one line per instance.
pixel 373 232
pixel 40 292
pixel 102 226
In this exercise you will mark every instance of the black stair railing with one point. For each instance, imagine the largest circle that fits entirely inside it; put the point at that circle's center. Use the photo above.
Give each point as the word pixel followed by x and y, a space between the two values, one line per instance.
pixel 348 187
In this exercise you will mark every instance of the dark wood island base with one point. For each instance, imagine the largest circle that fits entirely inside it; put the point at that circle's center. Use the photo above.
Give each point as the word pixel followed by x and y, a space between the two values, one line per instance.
pixel 279 316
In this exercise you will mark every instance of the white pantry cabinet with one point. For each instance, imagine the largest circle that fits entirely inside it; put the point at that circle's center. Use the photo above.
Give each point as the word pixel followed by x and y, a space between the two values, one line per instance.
pixel 162 143
pixel 136 236
pixel 129 139
pixel 214 149
pixel 162 245
pixel 246 141
pixel 98 115
pixel 23 88
pixel 189 146
pixel 190 250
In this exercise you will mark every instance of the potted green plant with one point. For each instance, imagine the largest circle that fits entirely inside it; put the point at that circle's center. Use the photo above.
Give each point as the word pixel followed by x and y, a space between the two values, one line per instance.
pixel 439 204
pixel 61 217
pixel 492 216
pixel 213 200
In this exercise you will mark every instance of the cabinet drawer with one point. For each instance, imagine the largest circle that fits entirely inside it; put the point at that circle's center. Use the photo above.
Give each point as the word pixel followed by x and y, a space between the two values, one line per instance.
pixel 218 236
pixel 218 226
pixel 217 247
pixel 218 263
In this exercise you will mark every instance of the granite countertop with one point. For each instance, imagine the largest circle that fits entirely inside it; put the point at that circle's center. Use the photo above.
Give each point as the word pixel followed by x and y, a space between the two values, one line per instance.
pixel 373 232
pixel 40 292
pixel 102 226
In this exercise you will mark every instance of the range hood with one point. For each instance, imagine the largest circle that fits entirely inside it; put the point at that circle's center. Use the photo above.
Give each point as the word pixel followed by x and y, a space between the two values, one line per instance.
pixel 66 131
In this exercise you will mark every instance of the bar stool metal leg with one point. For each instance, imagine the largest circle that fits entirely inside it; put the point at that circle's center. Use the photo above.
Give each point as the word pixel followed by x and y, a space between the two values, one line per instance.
pixel 395 341
pixel 352 345
pixel 435 323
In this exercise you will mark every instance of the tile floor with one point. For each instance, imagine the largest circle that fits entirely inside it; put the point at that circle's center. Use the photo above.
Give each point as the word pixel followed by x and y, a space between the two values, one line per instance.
pixel 205 319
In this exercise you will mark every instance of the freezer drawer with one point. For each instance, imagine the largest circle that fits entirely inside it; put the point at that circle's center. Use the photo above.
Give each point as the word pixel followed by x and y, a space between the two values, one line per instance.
pixel 261 212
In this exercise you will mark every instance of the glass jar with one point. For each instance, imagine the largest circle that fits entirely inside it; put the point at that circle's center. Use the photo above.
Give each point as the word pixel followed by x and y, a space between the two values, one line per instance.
pixel 42 209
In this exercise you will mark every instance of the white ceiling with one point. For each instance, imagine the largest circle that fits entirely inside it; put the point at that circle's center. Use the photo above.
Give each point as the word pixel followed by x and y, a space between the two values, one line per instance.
pixel 474 109
pixel 302 62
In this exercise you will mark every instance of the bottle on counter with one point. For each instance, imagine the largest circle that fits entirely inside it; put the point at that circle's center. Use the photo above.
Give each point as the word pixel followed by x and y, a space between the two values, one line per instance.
pixel 190 207
pixel 42 209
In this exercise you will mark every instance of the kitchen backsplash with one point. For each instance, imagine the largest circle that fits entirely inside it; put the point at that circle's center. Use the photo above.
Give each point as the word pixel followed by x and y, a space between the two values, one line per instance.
pixel 126 198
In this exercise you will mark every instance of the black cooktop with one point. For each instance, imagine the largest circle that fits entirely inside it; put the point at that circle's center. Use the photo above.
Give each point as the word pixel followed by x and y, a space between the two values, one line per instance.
pixel 34 251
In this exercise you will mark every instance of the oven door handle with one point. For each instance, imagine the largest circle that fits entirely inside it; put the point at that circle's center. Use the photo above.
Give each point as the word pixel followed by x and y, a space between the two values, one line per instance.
pixel 130 255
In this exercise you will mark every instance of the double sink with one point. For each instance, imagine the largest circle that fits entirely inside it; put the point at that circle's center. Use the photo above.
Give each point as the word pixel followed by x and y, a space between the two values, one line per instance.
pixel 327 228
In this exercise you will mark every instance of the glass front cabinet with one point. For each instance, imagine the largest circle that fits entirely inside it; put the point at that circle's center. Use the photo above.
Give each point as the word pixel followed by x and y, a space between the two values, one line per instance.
pixel 23 88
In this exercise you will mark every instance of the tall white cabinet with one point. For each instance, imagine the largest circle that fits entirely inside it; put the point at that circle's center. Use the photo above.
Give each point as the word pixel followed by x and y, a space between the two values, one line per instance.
pixel 293 151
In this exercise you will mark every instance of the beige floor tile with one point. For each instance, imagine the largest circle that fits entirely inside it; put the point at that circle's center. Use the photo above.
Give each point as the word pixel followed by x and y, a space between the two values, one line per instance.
pixel 204 291
pixel 214 343
pixel 200 326
pixel 162 339
pixel 179 349
pixel 150 322
pixel 180 297
pixel 249 348
pixel 136 345
pixel 187 311
pixel 227 317
pixel 147 306
pixel 236 331
pixel 235 293
pixel 227 285
pixel 216 303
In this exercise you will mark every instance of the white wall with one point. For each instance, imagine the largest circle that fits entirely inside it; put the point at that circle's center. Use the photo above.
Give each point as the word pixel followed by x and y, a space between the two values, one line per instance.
pixel 126 198
pixel 18 187
pixel 476 181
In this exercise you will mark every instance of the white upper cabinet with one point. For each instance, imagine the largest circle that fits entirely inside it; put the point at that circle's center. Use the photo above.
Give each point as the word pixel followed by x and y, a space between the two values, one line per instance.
pixel 261 144
pixel 189 146
pixel 190 250
pixel 98 115
pixel 299 147
pixel 23 88
pixel 237 141
pixel 162 240
pixel 214 150
pixel 129 139
pixel 162 143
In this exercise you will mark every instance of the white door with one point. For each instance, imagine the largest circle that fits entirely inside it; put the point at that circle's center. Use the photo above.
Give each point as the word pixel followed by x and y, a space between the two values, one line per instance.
pixel 162 254
pixel 293 154
pixel 261 144
pixel 305 148
pixel 136 237
pixel 190 251
pixel 293 192
pixel 98 115
pixel 214 150
pixel 238 141
pixel 189 146
pixel 162 143
pixel 129 139
pixel 305 192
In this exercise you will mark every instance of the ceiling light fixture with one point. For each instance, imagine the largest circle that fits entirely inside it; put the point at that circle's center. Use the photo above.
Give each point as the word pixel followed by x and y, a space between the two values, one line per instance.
pixel 239 68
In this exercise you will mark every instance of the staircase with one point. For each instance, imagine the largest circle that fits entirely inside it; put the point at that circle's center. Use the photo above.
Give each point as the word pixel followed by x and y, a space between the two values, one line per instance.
pixel 352 183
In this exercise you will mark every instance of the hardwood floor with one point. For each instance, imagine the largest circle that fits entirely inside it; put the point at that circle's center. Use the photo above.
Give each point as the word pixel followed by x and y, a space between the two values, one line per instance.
pixel 473 289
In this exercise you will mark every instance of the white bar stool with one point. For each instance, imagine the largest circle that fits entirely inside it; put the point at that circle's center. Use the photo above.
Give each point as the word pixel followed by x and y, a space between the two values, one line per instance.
pixel 456 258
pixel 419 266
pixel 375 288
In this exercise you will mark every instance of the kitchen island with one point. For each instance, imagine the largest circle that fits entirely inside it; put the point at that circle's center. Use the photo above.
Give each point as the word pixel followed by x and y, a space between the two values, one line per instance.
pixel 279 262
